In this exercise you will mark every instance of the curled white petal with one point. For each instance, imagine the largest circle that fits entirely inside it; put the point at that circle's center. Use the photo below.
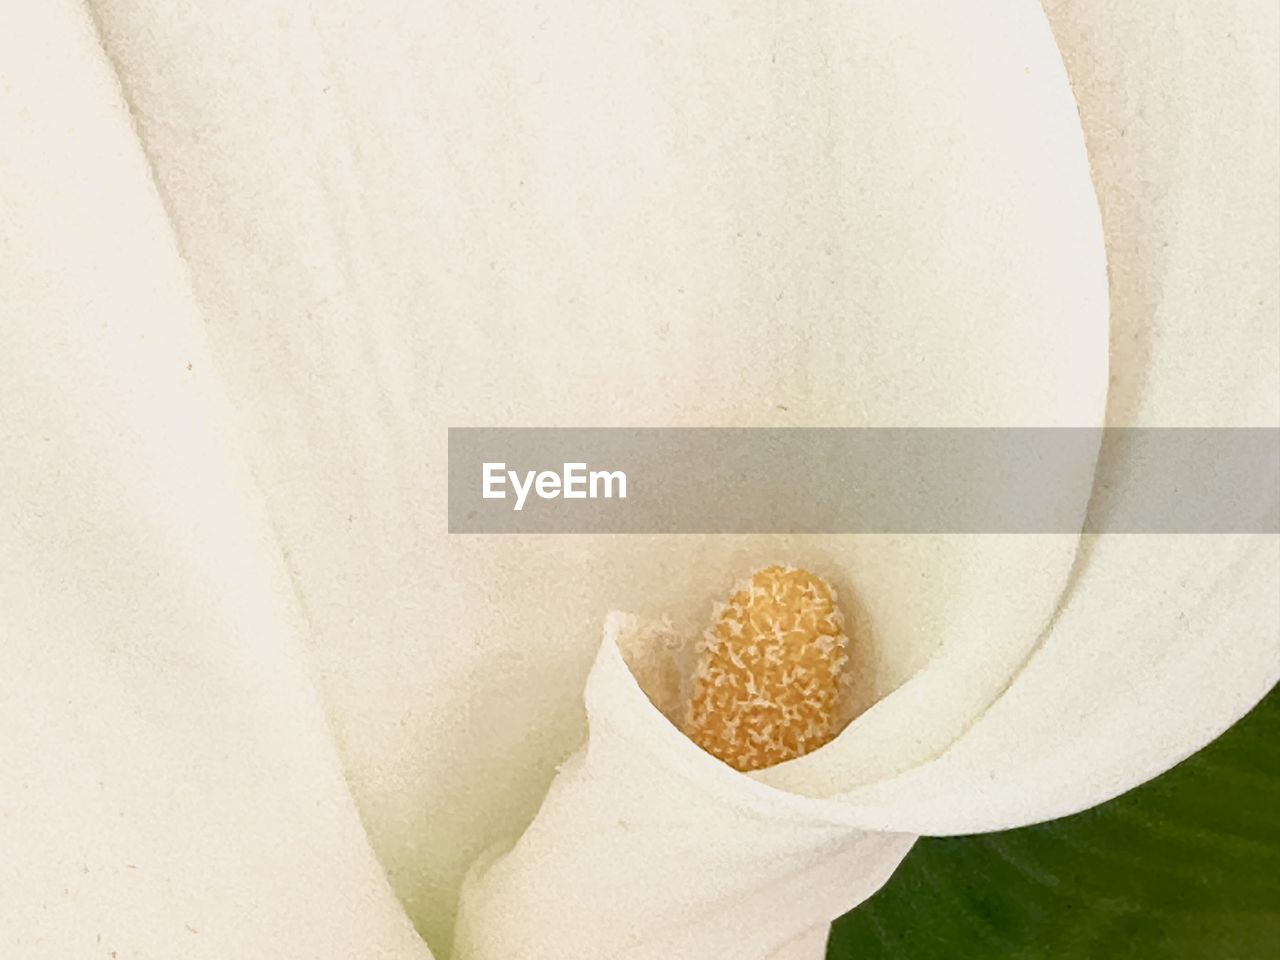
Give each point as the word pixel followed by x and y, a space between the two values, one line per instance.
pixel 647 848
pixel 773 189
pixel 865 215
pixel 1159 642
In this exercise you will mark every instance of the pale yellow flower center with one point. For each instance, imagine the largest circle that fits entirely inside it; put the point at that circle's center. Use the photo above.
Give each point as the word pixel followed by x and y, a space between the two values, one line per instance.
pixel 769 675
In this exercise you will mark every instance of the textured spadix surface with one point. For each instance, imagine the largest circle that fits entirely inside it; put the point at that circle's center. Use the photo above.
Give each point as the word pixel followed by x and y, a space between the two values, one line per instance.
pixel 387 218
pixel 770 676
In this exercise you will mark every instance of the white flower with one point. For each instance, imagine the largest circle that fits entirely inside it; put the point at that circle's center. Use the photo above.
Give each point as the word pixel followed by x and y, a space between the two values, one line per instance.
pixel 258 255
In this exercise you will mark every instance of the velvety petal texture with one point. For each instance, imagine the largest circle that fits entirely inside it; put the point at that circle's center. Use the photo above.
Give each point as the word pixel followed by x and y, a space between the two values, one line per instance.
pixel 252 277
pixel 1160 642
pixel 615 216
pixel 170 786
pixel 648 847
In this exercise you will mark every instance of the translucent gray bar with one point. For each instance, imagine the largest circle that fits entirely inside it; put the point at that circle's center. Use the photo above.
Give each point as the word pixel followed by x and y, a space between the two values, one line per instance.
pixel 884 480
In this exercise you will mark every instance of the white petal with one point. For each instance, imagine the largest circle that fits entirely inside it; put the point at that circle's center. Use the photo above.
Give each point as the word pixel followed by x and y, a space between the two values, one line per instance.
pixel 811 945
pixel 647 848
pixel 1161 642
pixel 169 786
pixel 400 218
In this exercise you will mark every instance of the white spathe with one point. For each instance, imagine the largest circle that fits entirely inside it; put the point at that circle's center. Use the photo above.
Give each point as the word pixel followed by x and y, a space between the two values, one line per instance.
pixel 388 218
pixel 169 786
pixel 640 849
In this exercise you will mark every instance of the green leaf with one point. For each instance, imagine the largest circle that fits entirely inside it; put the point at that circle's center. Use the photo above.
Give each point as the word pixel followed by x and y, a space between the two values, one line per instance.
pixel 1186 867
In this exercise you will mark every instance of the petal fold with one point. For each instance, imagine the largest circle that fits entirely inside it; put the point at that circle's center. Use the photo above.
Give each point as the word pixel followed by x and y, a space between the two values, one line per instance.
pixel 647 848
pixel 801 214
pixel 1160 642
pixel 170 785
